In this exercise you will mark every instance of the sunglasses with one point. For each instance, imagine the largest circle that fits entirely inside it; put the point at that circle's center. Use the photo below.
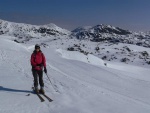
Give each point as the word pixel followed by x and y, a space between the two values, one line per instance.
pixel 37 48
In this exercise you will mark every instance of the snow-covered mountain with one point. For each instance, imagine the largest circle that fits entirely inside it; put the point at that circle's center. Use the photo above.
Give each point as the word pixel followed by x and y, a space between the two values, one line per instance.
pixel 111 34
pixel 103 41
pixel 99 33
pixel 99 29
pixel 25 32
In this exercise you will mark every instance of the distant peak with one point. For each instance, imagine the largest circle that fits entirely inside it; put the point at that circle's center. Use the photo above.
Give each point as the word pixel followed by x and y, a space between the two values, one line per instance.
pixel 82 28
pixel 51 25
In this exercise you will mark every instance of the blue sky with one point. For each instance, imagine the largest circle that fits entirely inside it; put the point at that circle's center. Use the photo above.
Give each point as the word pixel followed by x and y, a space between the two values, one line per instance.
pixel 128 14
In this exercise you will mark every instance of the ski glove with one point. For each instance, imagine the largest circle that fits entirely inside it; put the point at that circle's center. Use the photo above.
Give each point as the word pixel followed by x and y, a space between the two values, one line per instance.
pixel 45 70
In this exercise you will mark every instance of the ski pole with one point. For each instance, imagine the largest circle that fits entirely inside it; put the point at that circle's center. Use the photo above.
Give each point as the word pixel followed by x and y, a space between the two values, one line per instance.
pixel 50 82
pixel 48 78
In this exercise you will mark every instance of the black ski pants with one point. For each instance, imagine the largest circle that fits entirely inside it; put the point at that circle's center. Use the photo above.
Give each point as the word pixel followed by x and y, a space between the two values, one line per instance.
pixel 38 76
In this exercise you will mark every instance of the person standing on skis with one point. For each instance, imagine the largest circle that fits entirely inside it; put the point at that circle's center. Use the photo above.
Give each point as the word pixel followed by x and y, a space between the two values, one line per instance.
pixel 38 62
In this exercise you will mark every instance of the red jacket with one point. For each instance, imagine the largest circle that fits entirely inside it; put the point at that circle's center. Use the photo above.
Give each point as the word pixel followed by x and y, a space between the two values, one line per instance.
pixel 38 60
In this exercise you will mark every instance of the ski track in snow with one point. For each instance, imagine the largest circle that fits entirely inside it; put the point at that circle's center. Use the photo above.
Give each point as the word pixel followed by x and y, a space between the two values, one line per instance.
pixel 96 89
pixel 101 90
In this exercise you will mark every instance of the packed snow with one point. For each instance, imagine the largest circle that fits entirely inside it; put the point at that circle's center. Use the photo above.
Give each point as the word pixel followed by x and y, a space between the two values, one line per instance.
pixel 81 83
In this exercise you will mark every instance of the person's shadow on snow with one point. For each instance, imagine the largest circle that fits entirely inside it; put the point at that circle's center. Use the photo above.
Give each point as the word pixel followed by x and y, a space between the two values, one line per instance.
pixel 13 90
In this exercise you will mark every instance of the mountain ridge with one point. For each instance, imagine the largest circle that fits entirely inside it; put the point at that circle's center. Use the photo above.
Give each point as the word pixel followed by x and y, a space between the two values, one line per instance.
pixel 98 33
pixel 25 32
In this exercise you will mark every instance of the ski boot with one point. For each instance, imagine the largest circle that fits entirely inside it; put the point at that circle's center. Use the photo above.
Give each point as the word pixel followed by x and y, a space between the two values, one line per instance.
pixel 36 90
pixel 42 90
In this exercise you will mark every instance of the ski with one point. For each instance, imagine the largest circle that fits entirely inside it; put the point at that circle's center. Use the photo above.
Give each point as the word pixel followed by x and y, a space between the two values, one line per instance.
pixel 49 99
pixel 40 97
pixel 42 100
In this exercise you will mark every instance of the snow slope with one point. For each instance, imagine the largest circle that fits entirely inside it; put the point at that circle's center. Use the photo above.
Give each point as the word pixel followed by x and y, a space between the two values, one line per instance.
pixel 81 87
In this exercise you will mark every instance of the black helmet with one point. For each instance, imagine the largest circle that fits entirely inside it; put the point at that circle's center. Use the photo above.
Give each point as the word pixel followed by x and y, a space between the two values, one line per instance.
pixel 37 46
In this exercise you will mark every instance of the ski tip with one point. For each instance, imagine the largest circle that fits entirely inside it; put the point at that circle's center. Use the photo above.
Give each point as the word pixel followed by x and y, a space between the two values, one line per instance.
pixel 51 101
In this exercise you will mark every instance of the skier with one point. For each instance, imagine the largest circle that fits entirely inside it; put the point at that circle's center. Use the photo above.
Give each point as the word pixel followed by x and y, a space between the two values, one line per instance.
pixel 38 61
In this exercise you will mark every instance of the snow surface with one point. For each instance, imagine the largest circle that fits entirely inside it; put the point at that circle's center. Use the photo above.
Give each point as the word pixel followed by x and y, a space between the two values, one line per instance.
pixel 75 55
pixel 82 86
